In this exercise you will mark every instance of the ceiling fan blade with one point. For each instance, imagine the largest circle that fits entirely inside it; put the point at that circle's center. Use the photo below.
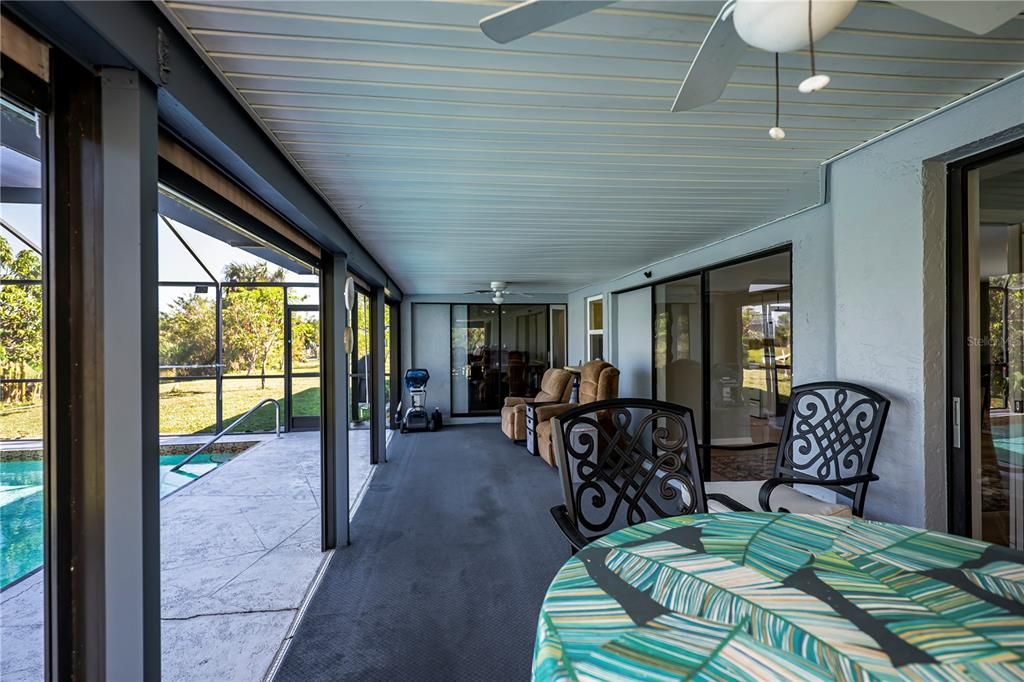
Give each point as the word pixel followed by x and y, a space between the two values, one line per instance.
pixel 534 15
pixel 979 16
pixel 717 58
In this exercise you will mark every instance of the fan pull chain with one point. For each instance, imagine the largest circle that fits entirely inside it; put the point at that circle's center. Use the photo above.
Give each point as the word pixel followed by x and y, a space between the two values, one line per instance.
pixel 816 81
pixel 776 132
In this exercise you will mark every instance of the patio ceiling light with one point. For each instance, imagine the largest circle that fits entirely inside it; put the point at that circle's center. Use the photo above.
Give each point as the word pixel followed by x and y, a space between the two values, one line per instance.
pixel 772 25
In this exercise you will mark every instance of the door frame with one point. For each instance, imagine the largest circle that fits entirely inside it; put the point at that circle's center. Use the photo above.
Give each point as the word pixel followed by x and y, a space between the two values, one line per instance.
pixel 291 422
pixel 959 412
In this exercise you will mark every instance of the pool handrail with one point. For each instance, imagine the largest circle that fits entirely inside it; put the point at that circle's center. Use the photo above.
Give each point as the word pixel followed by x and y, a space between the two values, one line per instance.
pixel 277 430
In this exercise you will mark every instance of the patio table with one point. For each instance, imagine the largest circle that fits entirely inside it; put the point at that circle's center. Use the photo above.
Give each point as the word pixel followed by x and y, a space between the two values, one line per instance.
pixel 783 596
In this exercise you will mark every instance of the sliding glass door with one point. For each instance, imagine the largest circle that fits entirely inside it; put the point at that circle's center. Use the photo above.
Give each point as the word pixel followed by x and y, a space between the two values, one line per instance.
pixel 476 360
pixel 496 351
pixel 524 349
pixel 24 462
pixel 751 365
pixel 677 345
pixel 559 342
pixel 723 347
pixel 986 346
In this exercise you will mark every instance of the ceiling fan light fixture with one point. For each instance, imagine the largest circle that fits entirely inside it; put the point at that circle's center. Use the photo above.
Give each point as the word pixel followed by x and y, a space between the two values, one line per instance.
pixel 814 83
pixel 776 132
pixel 498 299
pixel 782 26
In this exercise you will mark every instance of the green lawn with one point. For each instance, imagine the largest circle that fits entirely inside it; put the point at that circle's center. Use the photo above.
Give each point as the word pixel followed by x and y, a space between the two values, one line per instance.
pixel 21 421
pixel 190 406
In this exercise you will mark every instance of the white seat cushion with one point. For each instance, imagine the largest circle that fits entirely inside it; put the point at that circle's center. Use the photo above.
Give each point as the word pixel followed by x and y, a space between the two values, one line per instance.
pixel 745 492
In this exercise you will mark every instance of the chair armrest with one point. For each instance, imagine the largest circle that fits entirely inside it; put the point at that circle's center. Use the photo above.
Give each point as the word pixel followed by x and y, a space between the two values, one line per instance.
pixel 545 412
pixel 513 401
pixel 732 504
pixel 771 484
pixel 577 539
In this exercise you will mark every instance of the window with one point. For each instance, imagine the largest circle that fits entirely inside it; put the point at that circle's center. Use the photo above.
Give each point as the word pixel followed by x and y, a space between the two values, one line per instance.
pixel 595 328
pixel 23 277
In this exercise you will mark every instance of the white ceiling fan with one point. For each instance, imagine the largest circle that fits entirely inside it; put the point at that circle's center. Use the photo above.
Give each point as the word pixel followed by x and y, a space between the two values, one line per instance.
pixel 771 25
pixel 499 290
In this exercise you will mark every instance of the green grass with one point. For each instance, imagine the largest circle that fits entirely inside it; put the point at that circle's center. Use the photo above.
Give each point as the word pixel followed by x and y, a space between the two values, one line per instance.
pixel 190 406
pixel 21 421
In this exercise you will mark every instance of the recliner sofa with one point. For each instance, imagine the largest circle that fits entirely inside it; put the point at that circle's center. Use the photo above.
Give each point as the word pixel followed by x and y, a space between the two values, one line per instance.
pixel 555 386
pixel 599 380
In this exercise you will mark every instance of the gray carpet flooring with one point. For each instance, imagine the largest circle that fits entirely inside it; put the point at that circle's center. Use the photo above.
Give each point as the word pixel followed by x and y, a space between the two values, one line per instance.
pixel 452 551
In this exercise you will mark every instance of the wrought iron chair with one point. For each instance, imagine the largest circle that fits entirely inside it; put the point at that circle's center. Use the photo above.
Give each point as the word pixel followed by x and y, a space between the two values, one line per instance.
pixel 829 439
pixel 623 462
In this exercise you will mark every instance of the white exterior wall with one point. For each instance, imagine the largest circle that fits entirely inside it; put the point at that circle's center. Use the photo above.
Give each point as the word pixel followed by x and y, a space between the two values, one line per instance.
pixel 889 222
pixel 810 233
pixel 869 288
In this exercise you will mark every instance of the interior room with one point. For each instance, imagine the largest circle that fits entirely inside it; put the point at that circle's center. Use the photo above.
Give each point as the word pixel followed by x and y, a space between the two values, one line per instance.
pixel 497 340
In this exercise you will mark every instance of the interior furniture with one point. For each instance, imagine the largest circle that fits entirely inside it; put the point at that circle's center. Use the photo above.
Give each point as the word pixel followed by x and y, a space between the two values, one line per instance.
pixel 554 388
pixel 781 597
pixel 624 462
pixel 575 370
pixel 599 380
pixel 829 441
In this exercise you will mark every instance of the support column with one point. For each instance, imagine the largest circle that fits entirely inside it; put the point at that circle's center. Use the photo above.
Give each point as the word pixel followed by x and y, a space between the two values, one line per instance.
pixel 103 419
pixel 130 369
pixel 334 402
pixel 379 411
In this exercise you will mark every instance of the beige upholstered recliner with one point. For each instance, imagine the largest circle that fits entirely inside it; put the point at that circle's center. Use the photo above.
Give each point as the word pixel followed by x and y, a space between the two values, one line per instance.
pixel 555 386
pixel 599 380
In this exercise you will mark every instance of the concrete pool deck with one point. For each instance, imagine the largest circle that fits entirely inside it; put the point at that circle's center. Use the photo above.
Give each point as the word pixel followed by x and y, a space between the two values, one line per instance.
pixel 240 547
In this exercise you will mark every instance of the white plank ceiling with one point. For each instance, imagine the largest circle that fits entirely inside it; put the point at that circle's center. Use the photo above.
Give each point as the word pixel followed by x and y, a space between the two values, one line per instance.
pixel 553 161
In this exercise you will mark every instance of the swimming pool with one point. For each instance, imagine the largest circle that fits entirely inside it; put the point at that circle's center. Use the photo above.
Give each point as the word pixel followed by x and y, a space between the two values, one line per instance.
pixel 21 507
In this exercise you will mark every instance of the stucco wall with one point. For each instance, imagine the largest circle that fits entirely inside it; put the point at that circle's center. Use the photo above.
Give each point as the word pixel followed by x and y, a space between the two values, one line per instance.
pixel 869 287
pixel 810 233
pixel 888 212
pixel 634 329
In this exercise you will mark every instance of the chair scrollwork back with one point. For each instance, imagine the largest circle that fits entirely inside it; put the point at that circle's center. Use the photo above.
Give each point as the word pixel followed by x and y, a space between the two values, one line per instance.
pixel 623 462
pixel 830 437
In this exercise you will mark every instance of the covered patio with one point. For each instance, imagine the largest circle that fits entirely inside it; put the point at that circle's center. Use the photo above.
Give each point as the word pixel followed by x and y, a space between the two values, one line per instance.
pixel 607 340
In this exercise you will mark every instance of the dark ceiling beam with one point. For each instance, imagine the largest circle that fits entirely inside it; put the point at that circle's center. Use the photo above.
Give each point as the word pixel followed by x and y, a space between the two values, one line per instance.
pixel 200 109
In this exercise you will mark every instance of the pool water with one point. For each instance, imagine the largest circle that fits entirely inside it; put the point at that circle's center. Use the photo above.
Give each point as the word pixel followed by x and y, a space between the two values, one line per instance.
pixel 21 507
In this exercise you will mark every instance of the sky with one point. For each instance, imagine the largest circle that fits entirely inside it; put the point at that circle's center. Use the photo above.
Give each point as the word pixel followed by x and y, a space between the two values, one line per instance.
pixel 175 263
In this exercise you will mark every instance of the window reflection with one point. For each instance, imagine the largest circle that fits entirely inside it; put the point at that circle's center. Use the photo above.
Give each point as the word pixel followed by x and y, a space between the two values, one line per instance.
pixel 748 365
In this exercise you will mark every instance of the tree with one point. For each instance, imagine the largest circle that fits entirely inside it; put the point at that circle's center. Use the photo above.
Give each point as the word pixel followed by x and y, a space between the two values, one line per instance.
pixel 305 341
pixel 21 323
pixel 253 319
pixel 188 333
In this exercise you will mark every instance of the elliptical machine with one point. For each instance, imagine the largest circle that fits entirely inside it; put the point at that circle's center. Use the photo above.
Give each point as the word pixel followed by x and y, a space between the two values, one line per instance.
pixel 416 417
